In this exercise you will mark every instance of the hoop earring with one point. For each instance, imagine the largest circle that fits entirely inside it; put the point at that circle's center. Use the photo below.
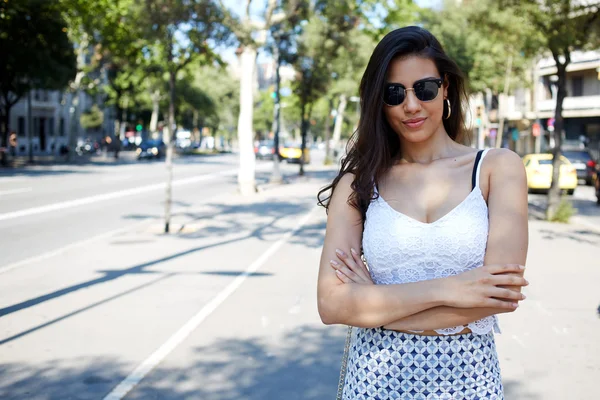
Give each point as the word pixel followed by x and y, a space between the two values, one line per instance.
pixel 449 109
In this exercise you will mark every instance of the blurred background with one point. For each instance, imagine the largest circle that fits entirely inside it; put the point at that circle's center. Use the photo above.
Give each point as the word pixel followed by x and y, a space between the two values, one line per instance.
pixel 159 165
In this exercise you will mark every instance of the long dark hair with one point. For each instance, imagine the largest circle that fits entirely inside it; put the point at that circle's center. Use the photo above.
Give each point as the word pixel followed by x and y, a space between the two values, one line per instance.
pixel 374 146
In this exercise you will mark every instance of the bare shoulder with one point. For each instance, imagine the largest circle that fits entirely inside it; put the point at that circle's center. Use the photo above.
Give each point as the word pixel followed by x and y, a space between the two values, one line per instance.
pixel 343 190
pixel 502 169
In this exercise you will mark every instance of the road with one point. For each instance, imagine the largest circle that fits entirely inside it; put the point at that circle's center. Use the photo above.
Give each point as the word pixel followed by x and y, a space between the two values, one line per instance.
pixel 46 208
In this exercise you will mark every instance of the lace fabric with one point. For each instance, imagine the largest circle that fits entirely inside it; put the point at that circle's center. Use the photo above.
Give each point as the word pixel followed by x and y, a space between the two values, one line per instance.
pixel 400 249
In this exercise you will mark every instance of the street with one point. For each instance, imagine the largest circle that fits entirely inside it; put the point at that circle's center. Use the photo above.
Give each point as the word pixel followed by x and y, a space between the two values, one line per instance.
pixel 97 303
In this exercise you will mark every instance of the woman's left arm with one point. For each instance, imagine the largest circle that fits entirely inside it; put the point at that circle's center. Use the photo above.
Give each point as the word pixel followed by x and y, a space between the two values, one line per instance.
pixel 507 239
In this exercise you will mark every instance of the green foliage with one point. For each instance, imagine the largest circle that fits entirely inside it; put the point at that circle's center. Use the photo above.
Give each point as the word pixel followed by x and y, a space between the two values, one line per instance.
pixel 564 212
pixel 263 111
pixel 92 119
pixel 35 51
pixel 480 36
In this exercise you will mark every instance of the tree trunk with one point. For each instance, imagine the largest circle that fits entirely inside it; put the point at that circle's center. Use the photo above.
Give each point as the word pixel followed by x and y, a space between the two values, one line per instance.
pixel 276 174
pixel 339 120
pixel 29 127
pixel 328 159
pixel 554 192
pixel 246 174
pixel 171 131
pixel 154 117
pixel 502 111
pixel 4 126
pixel 306 113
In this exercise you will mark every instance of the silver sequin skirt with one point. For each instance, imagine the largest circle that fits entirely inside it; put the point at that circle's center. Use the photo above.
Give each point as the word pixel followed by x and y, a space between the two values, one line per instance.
pixel 385 365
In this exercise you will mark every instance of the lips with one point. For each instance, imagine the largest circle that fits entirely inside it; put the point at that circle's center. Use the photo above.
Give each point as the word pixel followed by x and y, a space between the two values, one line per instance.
pixel 414 122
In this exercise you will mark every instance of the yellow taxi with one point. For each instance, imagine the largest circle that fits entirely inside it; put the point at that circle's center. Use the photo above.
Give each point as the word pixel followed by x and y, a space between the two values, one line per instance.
pixel 539 173
pixel 292 152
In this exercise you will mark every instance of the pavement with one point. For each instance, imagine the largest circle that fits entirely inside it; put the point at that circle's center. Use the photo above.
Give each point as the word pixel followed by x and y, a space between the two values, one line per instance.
pixel 225 308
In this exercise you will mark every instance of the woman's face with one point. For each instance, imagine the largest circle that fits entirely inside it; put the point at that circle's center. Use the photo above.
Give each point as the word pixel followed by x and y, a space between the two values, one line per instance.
pixel 415 120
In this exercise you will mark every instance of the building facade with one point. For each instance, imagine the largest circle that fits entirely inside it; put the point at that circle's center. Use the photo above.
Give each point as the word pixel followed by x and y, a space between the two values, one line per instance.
pixel 529 112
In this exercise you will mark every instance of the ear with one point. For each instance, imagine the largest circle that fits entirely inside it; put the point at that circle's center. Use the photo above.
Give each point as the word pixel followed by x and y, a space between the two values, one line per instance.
pixel 445 86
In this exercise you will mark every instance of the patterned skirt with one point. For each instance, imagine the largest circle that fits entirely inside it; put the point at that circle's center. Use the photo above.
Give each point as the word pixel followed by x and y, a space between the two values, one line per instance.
pixel 385 365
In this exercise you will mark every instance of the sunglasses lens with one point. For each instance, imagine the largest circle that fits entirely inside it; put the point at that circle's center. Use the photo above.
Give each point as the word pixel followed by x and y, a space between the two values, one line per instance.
pixel 393 95
pixel 426 91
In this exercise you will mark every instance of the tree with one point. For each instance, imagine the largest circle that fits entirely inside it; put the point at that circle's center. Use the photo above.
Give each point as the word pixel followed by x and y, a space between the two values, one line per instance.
pixel 35 51
pixel 564 25
pixel 252 35
pixel 178 33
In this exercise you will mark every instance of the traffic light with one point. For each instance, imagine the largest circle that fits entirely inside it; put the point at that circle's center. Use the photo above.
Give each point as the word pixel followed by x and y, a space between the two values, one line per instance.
pixel 138 127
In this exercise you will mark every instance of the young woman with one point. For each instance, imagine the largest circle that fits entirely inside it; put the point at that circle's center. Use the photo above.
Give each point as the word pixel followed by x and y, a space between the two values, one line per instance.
pixel 442 228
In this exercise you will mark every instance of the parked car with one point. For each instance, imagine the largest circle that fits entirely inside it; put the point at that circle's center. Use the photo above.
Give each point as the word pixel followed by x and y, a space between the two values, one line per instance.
pixel 151 149
pixel 265 150
pixel 597 183
pixel 292 152
pixel 539 173
pixel 584 164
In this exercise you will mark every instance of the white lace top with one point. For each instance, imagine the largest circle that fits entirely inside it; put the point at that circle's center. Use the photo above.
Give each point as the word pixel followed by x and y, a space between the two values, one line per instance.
pixel 400 249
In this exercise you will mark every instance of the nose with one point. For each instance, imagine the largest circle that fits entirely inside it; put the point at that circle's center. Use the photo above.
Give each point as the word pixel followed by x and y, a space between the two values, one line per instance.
pixel 411 103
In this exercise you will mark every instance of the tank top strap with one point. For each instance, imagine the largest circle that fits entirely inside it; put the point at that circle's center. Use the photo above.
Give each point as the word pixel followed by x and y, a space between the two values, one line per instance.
pixel 477 167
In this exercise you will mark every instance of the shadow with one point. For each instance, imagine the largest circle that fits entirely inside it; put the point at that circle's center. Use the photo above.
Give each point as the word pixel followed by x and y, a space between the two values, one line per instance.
pixel 514 390
pixel 575 235
pixel 236 273
pixel 303 366
pixel 302 363
pixel 231 221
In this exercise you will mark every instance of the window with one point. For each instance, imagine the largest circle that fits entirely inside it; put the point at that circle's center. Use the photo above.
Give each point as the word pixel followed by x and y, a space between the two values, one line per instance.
pixel 21 127
pixel 577 86
pixel 61 127
pixel 36 125
pixel 51 126
pixel 36 95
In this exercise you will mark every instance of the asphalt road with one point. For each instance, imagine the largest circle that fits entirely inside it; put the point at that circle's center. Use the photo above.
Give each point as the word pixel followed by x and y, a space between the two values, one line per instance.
pixel 44 209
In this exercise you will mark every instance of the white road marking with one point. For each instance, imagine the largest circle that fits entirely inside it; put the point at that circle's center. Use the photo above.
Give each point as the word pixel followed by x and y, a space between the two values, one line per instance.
pixel 64 249
pixel 515 337
pixel 15 191
pixel 135 377
pixel 542 309
pixel 109 196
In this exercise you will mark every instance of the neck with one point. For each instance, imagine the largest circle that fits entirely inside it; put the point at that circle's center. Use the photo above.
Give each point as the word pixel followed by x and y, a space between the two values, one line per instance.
pixel 438 146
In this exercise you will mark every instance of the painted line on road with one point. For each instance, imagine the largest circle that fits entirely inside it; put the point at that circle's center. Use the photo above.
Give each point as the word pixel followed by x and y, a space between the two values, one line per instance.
pixel 135 377
pixel 15 191
pixel 64 249
pixel 516 338
pixel 109 196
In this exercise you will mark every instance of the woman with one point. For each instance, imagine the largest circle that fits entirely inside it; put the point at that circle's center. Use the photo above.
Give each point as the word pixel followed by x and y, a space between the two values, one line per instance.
pixel 443 229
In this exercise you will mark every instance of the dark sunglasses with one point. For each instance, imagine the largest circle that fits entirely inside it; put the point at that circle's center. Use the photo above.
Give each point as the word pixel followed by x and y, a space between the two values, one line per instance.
pixel 425 90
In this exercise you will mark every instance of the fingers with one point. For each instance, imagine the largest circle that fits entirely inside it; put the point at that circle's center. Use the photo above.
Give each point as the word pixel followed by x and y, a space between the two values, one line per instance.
pixel 342 277
pixel 507 280
pixel 504 268
pixel 347 272
pixel 507 294
pixel 353 264
pixel 506 305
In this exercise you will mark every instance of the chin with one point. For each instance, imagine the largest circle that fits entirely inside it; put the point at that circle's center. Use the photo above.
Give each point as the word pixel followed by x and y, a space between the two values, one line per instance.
pixel 416 137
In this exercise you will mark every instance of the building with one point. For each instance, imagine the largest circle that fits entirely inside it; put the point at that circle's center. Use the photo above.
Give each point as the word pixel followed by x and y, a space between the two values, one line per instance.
pixel 531 110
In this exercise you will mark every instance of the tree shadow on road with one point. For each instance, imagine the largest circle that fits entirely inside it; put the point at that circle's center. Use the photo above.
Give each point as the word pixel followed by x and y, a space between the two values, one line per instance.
pixel 232 223
pixel 300 364
pixel 303 364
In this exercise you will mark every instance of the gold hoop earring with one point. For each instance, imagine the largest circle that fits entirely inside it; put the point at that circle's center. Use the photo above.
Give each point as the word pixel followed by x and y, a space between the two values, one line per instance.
pixel 449 109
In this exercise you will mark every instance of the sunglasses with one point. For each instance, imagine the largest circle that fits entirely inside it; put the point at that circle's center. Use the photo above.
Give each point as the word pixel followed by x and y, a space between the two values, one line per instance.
pixel 425 90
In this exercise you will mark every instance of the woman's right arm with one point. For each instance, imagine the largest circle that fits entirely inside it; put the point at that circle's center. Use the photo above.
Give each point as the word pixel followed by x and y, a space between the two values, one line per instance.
pixel 362 305
pixel 370 306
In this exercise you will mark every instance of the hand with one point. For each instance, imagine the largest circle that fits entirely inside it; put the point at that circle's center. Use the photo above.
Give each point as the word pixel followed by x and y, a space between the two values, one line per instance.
pixel 351 269
pixel 485 287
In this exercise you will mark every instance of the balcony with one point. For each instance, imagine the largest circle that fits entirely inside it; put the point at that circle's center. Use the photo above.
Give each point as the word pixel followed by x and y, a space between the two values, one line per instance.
pixel 573 107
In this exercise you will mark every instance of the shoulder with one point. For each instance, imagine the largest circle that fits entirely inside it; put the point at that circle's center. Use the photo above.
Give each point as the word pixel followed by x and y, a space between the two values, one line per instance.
pixel 500 169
